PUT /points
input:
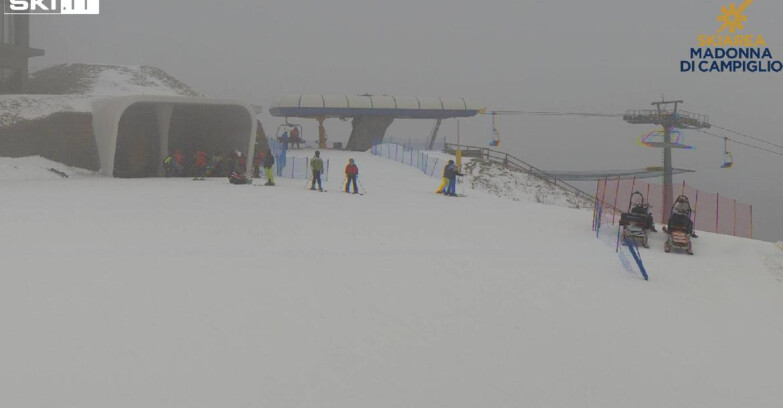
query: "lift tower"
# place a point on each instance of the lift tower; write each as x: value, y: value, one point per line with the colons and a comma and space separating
x: 669, y: 119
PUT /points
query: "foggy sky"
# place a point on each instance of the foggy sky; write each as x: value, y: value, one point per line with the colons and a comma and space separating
x: 599, y: 56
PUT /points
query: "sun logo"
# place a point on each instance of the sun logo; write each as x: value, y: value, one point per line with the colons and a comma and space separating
x: 732, y: 17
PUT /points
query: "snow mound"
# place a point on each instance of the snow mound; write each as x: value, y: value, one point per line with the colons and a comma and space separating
x: 779, y: 244
x: 73, y: 88
x: 38, y: 168
x: 16, y: 108
x: 107, y: 80
x: 517, y: 185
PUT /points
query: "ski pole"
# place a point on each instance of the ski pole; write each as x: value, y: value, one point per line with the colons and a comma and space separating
x: 360, y: 185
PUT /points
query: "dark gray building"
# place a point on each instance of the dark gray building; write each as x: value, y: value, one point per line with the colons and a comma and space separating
x: 14, y: 52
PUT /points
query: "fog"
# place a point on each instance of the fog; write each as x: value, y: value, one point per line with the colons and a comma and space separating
x: 598, y: 56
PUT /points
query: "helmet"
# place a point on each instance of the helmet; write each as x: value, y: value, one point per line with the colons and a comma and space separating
x: 317, y: 152
x: 351, y: 161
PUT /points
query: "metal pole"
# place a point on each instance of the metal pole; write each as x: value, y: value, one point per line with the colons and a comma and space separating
x: 717, y: 210
x: 616, y: 193
x: 734, y: 216
x: 668, y: 193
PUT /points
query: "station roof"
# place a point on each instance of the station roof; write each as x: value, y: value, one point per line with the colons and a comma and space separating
x: 311, y: 106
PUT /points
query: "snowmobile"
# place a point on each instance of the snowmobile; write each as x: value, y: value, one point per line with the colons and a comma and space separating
x: 637, y: 221
x: 680, y: 227
x: 237, y: 178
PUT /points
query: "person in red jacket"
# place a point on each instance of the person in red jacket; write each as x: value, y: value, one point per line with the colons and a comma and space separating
x: 200, y: 164
x: 178, y: 157
x: 294, y: 137
x: 258, y: 159
x: 351, y: 174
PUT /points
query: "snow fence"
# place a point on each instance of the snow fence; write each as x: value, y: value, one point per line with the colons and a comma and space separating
x: 711, y: 212
x: 428, y: 164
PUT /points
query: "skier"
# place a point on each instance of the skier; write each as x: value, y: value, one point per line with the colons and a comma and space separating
x: 199, y: 164
x: 284, y: 140
x: 168, y: 165
x: 258, y: 158
x: 269, y: 161
x: 295, y: 140
x: 351, y: 174
x: 317, y: 164
x: 451, y: 172
x: 178, y: 157
x: 215, y: 167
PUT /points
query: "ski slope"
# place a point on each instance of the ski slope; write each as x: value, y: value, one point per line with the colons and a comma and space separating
x: 176, y: 293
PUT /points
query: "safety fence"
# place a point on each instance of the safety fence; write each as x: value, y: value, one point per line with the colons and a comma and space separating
x: 293, y: 167
x: 711, y: 212
x: 427, y: 163
x: 411, y: 144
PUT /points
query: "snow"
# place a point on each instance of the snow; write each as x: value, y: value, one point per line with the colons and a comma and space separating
x: 37, y: 168
x: 171, y: 292
x: 129, y: 80
x: 15, y: 108
x: 101, y: 81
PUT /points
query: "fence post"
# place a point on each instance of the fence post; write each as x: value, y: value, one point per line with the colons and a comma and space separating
x: 396, y: 151
x: 717, y: 210
x: 293, y: 166
x: 616, y: 193
x: 595, y: 201
x: 751, y: 222
x: 327, y: 170
x: 734, y: 218
x: 434, y: 167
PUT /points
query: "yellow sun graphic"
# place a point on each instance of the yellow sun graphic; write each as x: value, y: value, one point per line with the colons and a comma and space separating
x: 732, y: 17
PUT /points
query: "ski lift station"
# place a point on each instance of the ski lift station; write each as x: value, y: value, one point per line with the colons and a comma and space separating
x: 372, y: 114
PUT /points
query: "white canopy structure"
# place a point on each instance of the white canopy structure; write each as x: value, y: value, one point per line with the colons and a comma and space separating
x: 134, y: 134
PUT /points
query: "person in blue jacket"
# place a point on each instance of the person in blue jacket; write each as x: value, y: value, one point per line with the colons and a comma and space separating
x: 451, y: 173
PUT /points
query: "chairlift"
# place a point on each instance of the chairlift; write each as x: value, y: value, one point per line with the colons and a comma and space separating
x: 495, y: 134
x: 728, y: 159
x: 289, y: 128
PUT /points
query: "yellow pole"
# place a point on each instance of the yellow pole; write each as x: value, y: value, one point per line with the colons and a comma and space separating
x: 321, y: 132
x: 459, y: 150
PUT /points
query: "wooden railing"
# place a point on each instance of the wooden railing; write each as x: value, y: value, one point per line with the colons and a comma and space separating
x: 514, y: 162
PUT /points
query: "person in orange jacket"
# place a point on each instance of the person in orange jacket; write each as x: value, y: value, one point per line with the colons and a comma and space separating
x: 200, y: 164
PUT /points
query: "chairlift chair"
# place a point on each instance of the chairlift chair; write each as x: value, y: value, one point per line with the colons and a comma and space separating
x: 728, y: 159
x: 288, y: 127
x: 495, y: 134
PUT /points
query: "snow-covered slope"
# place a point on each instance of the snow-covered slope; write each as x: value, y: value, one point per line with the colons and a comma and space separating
x: 38, y: 168
x: 517, y: 185
x: 73, y: 88
x: 170, y: 292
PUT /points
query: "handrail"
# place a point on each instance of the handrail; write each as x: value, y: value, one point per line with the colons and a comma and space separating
x: 515, y: 162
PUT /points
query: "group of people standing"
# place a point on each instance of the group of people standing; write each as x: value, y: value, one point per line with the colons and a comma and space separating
x: 235, y: 167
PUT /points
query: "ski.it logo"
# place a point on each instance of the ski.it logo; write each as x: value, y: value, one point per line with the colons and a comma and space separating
x: 51, y: 6
x: 728, y: 50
